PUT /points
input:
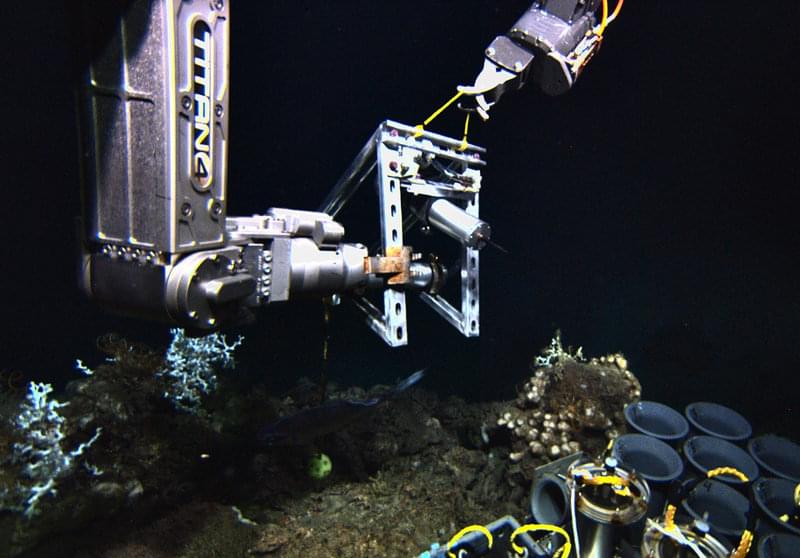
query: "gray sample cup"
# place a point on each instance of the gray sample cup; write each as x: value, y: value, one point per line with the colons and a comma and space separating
x: 776, y: 455
x: 726, y: 509
x: 705, y: 453
x: 657, y: 420
x: 654, y: 461
x: 719, y: 421
x: 778, y: 546
x: 775, y: 498
x: 550, y: 500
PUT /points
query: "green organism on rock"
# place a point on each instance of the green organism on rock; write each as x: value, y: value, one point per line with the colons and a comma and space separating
x: 319, y: 466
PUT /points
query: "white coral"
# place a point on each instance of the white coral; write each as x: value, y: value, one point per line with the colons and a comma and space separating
x: 555, y: 353
x: 190, y: 366
x: 41, y: 454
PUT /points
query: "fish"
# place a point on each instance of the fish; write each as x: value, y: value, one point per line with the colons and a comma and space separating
x: 304, y: 426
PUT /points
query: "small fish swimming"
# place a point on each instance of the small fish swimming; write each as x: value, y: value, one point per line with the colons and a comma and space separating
x: 308, y: 424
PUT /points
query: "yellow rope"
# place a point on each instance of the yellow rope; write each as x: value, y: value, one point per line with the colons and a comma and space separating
x: 669, y: 517
x: 421, y: 127
x: 464, y: 531
x: 562, y: 552
x: 612, y: 480
x: 464, y: 143
x: 744, y: 545
x: 728, y: 471
x: 616, y: 10
x: 604, y: 21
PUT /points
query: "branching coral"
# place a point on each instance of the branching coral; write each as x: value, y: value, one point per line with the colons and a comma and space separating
x: 190, y: 366
x: 41, y: 455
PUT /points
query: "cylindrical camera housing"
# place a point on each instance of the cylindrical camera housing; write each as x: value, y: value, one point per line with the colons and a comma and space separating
x: 458, y: 224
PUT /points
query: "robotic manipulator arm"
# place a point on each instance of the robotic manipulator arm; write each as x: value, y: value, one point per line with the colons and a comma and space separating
x: 549, y: 45
x: 157, y: 240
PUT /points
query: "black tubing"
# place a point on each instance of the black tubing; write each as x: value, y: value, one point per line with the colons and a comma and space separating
x: 776, y: 455
x: 717, y: 420
x: 657, y: 420
x: 705, y: 453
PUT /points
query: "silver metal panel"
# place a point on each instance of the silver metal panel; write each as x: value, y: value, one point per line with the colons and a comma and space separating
x: 470, y: 266
x: 138, y: 125
x: 388, y: 125
x: 111, y: 219
x: 201, y: 104
x: 394, y: 301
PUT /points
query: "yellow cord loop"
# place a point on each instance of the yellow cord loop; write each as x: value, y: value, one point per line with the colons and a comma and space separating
x: 797, y: 496
x: 421, y: 127
x: 728, y: 471
x: 669, y: 517
x: 562, y: 552
x: 745, y: 542
x: 618, y: 484
x: 606, y: 19
x: 616, y: 10
x: 470, y: 529
x: 744, y: 545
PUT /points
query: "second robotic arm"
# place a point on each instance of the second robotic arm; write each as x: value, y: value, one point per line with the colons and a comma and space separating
x: 549, y: 45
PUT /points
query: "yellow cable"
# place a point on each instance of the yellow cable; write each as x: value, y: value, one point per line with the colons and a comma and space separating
x: 464, y: 531
x: 421, y: 127
x: 604, y: 479
x: 610, y: 480
x: 464, y: 143
x: 669, y: 517
x: 744, y: 545
x: 563, y: 552
x: 604, y: 21
x: 728, y: 471
x: 614, y: 15
x: 797, y: 496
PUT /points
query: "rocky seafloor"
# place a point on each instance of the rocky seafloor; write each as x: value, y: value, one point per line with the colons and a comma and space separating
x: 161, y: 482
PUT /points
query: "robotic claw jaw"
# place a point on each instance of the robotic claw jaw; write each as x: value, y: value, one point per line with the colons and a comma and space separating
x: 550, y: 44
x: 492, y: 81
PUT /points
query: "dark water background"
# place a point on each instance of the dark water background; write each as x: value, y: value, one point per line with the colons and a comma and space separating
x: 652, y: 210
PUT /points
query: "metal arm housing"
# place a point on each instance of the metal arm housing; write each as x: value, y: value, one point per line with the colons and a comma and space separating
x: 157, y: 240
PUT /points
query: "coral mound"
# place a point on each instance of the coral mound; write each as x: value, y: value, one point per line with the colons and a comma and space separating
x: 568, y: 405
